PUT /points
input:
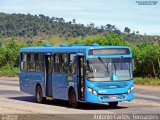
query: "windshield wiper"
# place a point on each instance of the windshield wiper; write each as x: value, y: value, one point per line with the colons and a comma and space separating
x: 114, y: 62
x: 101, y: 60
x: 115, y: 67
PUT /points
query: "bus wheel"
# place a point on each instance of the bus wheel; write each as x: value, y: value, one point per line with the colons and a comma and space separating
x: 72, y: 99
x: 39, y: 96
x: 113, y: 104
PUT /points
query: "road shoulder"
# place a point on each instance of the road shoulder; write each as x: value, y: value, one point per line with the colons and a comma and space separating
x: 148, y: 87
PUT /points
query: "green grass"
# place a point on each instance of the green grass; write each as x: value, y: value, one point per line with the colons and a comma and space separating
x: 9, y: 71
x: 147, y: 81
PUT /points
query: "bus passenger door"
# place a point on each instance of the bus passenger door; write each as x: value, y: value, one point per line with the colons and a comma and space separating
x: 81, y: 80
x: 48, y: 74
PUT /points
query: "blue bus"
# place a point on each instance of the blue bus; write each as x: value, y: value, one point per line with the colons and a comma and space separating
x: 77, y: 73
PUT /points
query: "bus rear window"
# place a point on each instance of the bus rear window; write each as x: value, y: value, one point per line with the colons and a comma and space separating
x: 109, y: 51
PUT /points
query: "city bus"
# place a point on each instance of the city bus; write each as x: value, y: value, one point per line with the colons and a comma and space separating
x: 77, y: 73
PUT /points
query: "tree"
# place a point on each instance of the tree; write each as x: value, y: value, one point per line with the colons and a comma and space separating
x: 127, y: 30
x: 137, y: 32
x: 110, y: 27
x: 9, y: 54
x: 111, y: 39
x: 61, y: 20
x: 0, y: 44
x: 74, y: 21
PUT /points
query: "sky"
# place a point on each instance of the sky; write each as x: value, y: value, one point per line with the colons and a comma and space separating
x: 121, y: 13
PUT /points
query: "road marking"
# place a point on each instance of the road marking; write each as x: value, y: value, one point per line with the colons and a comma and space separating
x: 147, y: 96
x: 5, y: 87
x: 145, y: 103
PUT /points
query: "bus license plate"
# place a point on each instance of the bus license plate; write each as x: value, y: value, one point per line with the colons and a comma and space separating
x: 113, y: 97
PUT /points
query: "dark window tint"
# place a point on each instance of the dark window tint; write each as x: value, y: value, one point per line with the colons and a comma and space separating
x: 30, y: 57
x: 65, y: 62
x: 31, y: 66
x: 50, y: 64
x: 39, y: 57
x: 57, y: 65
x: 72, y: 64
x: 23, y: 56
x: 39, y: 66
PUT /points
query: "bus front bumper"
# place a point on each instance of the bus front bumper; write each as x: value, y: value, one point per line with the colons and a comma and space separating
x: 109, y: 97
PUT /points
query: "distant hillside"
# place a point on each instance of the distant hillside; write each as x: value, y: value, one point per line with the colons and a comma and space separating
x: 31, y: 26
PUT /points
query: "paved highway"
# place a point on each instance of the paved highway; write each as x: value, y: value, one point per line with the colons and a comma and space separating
x: 13, y: 101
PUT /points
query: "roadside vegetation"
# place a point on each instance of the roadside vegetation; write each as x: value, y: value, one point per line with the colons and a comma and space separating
x: 9, y: 71
x: 147, y: 81
x: 146, y: 57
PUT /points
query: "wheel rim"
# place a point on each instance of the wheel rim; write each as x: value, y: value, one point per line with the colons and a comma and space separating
x: 73, y: 100
x: 39, y: 96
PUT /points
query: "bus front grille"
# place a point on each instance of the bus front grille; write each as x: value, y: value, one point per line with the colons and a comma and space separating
x: 107, y: 97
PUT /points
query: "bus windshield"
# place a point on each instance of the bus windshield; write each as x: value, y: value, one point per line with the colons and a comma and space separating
x: 103, y: 69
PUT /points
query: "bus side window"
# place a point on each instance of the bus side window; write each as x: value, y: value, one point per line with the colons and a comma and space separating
x: 50, y: 64
x: 64, y: 63
x: 56, y: 65
x: 31, y: 62
x: 24, y: 57
x: 82, y: 63
x: 39, y: 61
x: 31, y: 66
x: 24, y: 61
x: 72, y: 64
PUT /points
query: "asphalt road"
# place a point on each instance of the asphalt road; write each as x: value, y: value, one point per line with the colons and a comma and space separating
x: 22, y: 105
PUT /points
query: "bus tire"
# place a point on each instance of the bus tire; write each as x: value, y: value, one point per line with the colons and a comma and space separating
x: 39, y: 95
x: 113, y: 104
x: 72, y: 99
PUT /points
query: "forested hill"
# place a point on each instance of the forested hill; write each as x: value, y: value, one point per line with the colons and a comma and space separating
x: 28, y: 26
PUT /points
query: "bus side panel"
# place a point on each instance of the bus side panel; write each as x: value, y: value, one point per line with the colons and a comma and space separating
x: 66, y: 84
x: 75, y: 80
x: 23, y: 82
x: 55, y: 87
x: 61, y: 85
x: 49, y: 85
x: 34, y: 79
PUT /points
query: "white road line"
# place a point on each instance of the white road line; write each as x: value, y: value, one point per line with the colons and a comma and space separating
x: 147, y: 96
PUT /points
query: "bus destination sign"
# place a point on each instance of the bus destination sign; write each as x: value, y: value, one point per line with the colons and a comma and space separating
x: 109, y: 51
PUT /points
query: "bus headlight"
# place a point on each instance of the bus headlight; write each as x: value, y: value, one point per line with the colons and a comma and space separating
x: 95, y: 92
x: 130, y: 90
x: 92, y: 91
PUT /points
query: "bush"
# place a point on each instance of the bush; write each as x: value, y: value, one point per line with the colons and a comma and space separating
x: 147, y: 81
x: 147, y: 60
x: 9, y: 54
x: 112, y: 39
x: 9, y: 71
